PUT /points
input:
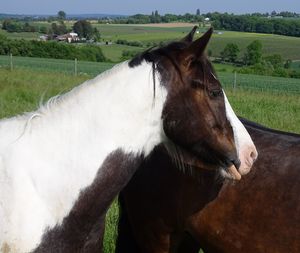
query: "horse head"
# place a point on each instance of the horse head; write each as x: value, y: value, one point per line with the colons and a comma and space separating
x: 197, y: 116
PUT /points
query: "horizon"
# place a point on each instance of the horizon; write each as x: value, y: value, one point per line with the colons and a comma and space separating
x: 128, y: 7
x: 122, y: 14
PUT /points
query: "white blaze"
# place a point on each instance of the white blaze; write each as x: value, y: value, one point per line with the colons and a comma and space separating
x: 245, y: 147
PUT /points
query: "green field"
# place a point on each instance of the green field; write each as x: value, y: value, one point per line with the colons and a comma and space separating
x: 243, y: 81
x: 286, y: 46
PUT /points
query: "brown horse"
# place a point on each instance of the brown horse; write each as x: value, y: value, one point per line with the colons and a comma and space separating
x: 165, y: 210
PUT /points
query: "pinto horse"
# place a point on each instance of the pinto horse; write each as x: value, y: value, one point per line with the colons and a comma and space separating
x: 166, y: 210
x: 62, y: 165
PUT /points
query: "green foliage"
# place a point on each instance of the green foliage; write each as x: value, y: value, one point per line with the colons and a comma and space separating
x: 84, y: 29
x: 275, y: 59
x: 50, y: 49
x: 230, y: 52
x: 253, y: 54
x: 61, y: 15
x: 130, y: 43
x: 57, y: 29
x: 128, y: 54
x: 17, y: 26
x: 254, y: 23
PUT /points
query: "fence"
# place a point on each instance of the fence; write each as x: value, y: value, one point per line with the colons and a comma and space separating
x: 56, y: 65
x: 229, y: 80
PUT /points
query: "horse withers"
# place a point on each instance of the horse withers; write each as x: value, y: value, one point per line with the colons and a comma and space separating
x: 62, y: 165
x: 165, y: 210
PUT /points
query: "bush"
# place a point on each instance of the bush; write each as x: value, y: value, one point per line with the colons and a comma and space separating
x: 50, y: 49
x: 130, y: 43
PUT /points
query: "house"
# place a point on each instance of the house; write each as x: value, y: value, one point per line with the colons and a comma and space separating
x: 44, y: 37
x: 69, y: 37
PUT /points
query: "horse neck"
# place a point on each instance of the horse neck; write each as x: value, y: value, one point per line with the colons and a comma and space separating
x: 114, y: 110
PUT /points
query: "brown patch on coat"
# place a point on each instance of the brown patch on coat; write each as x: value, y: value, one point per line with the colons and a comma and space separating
x: 82, y: 230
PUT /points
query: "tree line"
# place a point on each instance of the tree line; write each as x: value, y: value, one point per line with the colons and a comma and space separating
x: 50, y: 49
x: 254, y: 62
x: 249, y: 23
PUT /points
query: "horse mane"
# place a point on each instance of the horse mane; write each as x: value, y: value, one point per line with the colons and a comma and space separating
x: 249, y: 123
x: 45, y: 108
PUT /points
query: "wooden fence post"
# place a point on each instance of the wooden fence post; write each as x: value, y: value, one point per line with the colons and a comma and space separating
x: 11, y: 62
x: 75, y: 67
x: 234, y: 81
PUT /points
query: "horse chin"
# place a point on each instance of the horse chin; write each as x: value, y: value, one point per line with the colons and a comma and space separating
x: 231, y: 173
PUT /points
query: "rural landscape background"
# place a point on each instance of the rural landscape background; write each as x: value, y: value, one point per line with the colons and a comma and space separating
x: 256, y: 56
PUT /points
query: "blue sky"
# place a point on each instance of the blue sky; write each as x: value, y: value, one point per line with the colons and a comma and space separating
x: 142, y: 6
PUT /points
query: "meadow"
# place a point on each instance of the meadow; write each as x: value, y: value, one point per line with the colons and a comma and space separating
x: 225, y: 72
x: 287, y: 46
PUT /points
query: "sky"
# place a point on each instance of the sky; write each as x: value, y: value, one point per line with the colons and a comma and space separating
x: 129, y: 7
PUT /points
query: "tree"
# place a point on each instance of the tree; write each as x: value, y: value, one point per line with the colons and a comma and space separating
x: 198, y: 12
x: 84, y: 29
x: 275, y: 59
x: 230, y: 52
x: 61, y: 15
x: 253, y: 54
x: 97, y: 35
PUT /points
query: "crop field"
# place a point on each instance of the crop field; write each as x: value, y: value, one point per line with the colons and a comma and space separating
x: 288, y: 47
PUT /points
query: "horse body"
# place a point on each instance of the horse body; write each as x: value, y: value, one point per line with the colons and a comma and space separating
x: 166, y: 210
x: 33, y: 158
x: 261, y: 214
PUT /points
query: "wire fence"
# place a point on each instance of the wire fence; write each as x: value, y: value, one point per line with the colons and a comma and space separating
x: 229, y: 80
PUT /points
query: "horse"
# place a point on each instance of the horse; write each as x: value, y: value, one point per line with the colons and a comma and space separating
x: 62, y: 165
x: 163, y: 209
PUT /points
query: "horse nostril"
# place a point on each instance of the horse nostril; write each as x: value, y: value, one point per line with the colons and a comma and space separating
x: 253, y: 155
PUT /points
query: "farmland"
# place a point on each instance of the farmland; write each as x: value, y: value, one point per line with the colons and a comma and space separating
x: 288, y: 47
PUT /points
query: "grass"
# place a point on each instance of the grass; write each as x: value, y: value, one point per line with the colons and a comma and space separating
x: 253, y: 82
x: 21, y: 90
x: 288, y: 47
x: 22, y: 35
x: 114, y: 51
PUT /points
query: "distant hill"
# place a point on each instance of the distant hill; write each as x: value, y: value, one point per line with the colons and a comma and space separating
x: 69, y: 16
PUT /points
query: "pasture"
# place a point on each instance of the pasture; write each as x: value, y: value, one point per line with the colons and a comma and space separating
x: 288, y: 47
x: 23, y: 89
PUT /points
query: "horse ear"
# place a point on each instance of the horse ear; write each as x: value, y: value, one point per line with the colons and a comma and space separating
x: 196, y: 49
x: 189, y: 38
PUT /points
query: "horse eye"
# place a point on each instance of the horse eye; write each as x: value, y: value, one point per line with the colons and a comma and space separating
x: 215, y: 93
